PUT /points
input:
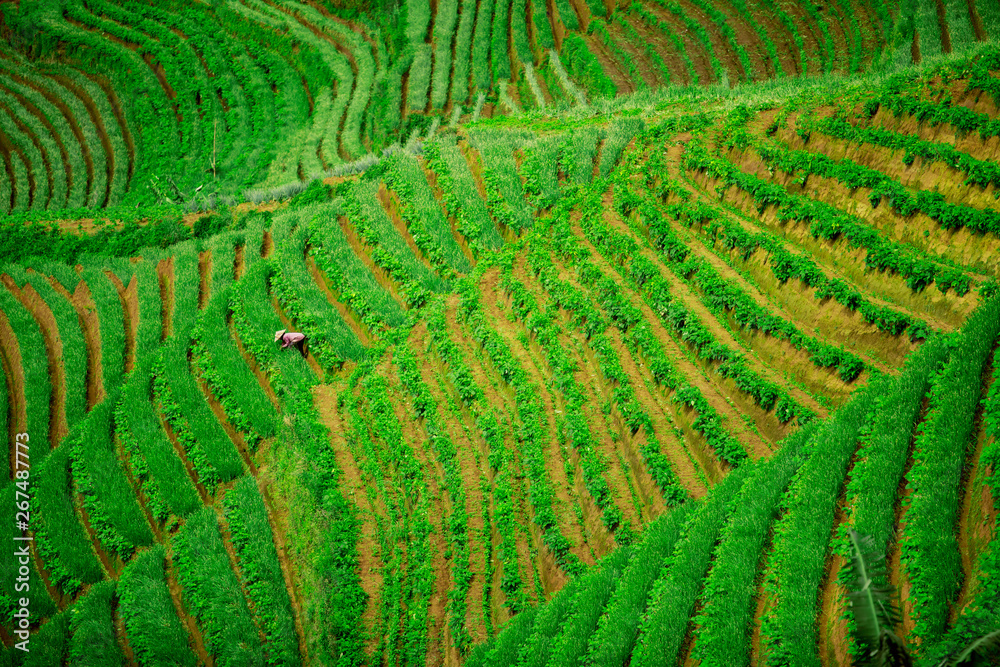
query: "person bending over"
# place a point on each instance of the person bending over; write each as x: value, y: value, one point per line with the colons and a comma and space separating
x: 290, y: 339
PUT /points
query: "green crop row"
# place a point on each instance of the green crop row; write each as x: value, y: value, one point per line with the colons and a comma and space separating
x: 584, y: 66
x: 589, y: 321
x: 978, y: 172
x: 649, y: 47
x: 531, y: 415
x: 219, y: 363
x: 576, y: 157
x: 622, y: 250
x: 60, y: 539
x: 540, y: 170
x: 348, y: 275
x: 49, y: 646
x: 765, y: 38
x: 505, y: 198
x: 930, y: 551
x: 213, y: 594
x: 186, y: 288
x: 155, y: 633
x: 388, y: 249
x: 802, y: 535
x: 544, y: 39
x: 481, y: 76
x: 110, y: 501
x: 330, y: 339
x: 597, y: 588
x: 827, y: 223
x: 700, y: 33
x: 386, y: 428
x: 616, y: 138
x: 34, y: 367
x: 786, y: 265
x: 423, y: 217
x: 980, y: 616
x: 444, y: 33
x: 618, y: 627
x: 661, y: 27
x: 463, y: 53
x: 261, y: 571
x: 458, y: 523
x: 198, y: 432
x: 499, y: 52
x: 32, y: 185
x: 881, y: 458
x: 150, y: 329
x: 543, y: 325
x: 600, y: 28
x: 460, y: 198
x: 675, y: 590
x: 934, y: 113
x: 727, y: 599
x: 15, y: 498
x: 92, y: 640
x: 905, y: 203
x: 156, y: 467
x: 720, y: 294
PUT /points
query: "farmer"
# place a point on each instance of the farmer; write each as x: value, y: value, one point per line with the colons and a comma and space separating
x: 290, y: 338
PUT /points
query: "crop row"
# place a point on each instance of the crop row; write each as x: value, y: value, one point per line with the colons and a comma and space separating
x: 261, y: 571
x: 630, y: 321
x: 930, y: 550
x: 460, y: 198
x: 721, y: 294
x: 675, y: 592
x: 852, y: 175
x: 547, y: 332
x: 213, y: 593
x: 727, y: 599
x: 458, y: 523
x: 802, y: 535
x: 37, y: 387
x: 155, y: 465
x: 828, y: 223
x: 590, y: 322
x: 625, y: 252
x: 531, y: 415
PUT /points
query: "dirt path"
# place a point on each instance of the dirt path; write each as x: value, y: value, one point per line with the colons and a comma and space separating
x: 11, y: 359
x: 187, y: 620
x: 120, y: 633
x: 34, y: 304
x: 206, y: 497
x: 86, y: 311
x: 350, y: 317
x: 234, y: 564
x: 364, y: 252
x: 111, y: 563
x: 130, y: 312
x: 390, y: 202
x: 262, y: 380
x: 220, y: 415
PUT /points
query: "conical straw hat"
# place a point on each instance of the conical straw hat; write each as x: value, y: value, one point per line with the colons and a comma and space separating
x: 279, y: 334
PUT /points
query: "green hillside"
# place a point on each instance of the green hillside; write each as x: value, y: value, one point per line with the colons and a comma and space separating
x: 619, y: 318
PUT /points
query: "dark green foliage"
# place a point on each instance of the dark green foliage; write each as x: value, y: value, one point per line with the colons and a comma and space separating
x: 583, y: 65
x: 155, y: 633
x: 92, y: 633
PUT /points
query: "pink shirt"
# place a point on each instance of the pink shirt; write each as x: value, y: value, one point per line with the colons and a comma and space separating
x: 291, y: 338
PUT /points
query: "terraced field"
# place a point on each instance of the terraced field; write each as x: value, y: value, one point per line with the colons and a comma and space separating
x: 587, y: 381
x: 124, y: 103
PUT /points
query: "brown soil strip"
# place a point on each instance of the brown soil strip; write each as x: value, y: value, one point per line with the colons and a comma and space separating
x: 165, y: 272
x: 943, y: 23
x: 238, y: 263
x: 220, y: 414
x: 187, y: 620
x: 723, y: 49
x: 117, y: 110
x: 204, y: 277
x: 56, y: 595
x: 692, y: 47
x: 102, y: 135
x: 977, y: 22
x: 351, y: 318
x: 265, y: 384
x: 268, y: 246
x: 364, y: 252
x: 123, y: 455
x: 130, y: 309
x: 192, y: 473
x: 11, y: 359
x: 354, y: 487
x: 120, y: 634
x: 611, y: 66
x: 278, y: 523
x: 390, y: 202
x: 30, y: 299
